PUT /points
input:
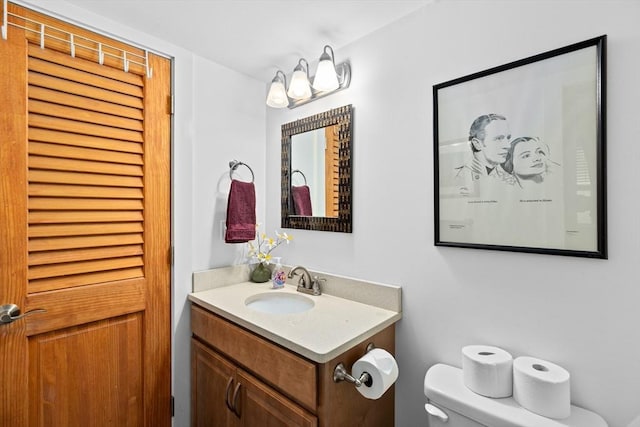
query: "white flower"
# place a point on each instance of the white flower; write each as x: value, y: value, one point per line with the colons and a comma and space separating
x: 264, y: 244
x: 284, y: 236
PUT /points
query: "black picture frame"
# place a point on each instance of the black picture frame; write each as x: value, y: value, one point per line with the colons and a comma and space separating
x: 519, y: 155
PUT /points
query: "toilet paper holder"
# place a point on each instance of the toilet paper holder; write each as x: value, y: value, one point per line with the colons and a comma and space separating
x: 340, y: 373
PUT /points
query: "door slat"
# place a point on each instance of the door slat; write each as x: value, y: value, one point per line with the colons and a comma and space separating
x: 57, y: 243
x: 84, y: 229
x: 85, y: 141
x: 61, y: 217
x: 62, y: 98
x: 70, y: 152
x: 75, y: 75
x: 36, y: 175
x: 71, y: 268
x: 62, y: 85
x: 52, y: 190
x: 67, y: 125
x: 83, y: 115
x: 78, y: 204
x: 72, y: 255
x: 52, y: 163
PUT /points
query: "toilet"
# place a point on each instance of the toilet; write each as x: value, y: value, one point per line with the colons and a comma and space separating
x: 452, y: 404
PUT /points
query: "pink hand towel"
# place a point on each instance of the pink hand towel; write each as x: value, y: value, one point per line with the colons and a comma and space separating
x: 241, y: 212
x: 301, y: 200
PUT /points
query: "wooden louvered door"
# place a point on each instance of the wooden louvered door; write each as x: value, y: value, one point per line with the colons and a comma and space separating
x: 85, y: 234
x: 331, y: 170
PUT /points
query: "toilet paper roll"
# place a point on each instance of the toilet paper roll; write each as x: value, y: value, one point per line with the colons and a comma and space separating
x: 487, y: 370
x: 542, y: 387
x: 381, y: 367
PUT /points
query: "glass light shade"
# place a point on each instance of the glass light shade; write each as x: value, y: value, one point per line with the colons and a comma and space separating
x: 277, y: 97
x: 326, y: 78
x: 299, y: 87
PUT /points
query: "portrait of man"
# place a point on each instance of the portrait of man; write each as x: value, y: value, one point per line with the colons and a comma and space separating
x: 489, y: 140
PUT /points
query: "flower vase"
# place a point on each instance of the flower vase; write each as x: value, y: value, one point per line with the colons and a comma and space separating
x: 261, y: 273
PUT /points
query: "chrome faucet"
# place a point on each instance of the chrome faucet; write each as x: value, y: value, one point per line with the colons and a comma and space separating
x: 306, y: 284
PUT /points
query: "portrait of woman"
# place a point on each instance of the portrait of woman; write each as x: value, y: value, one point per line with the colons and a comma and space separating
x: 528, y: 161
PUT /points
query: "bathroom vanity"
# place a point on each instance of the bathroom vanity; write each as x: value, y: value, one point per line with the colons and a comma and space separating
x: 249, y: 366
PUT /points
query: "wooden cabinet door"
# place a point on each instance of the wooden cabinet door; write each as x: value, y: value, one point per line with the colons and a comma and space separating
x: 212, y: 386
x: 260, y: 405
x: 84, y: 229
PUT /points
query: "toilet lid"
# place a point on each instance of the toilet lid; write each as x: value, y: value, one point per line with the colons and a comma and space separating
x: 444, y: 386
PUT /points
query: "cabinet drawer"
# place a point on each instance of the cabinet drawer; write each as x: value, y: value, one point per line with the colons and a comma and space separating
x: 294, y: 376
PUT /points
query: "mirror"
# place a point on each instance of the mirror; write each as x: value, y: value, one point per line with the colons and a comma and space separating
x: 316, y: 172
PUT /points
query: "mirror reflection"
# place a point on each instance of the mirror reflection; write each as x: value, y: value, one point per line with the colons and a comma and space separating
x: 316, y: 172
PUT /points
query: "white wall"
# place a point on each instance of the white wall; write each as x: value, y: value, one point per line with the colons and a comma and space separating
x: 228, y: 123
x: 582, y: 314
x: 219, y: 116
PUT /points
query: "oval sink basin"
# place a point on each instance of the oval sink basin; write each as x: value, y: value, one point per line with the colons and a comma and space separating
x: 277, y: 303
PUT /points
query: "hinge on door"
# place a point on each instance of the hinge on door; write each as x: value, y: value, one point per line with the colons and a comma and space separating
x: 172, y: 255
x: 170, y: 104
x: 173, y: 406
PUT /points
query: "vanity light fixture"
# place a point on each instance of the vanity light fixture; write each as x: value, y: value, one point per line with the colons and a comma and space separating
x: 326, y: 78
x: 277, y: 97
x: 300, y: 88
x: 329, y: 78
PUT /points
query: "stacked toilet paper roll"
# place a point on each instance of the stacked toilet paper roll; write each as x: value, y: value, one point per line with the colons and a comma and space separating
x: 542, y: 387
x: 487, y: 370
x: 381, y: 367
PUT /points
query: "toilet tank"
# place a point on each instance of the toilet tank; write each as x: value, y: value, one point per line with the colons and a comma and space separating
x: 445, y: 390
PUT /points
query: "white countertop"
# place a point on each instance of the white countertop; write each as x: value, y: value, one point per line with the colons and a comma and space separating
x: 331, y: 327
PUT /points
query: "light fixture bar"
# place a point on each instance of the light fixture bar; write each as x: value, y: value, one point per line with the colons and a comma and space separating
x: 344, y: 79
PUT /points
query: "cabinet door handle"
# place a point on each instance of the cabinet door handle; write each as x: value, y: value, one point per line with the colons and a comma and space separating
x: 236, y: 410
x: 226, y: 394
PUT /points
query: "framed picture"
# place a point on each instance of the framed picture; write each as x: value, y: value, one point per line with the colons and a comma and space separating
x: 519, y: 153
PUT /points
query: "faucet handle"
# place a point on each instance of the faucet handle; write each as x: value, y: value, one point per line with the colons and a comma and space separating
x: 316, y: 284
x: 302, y: 281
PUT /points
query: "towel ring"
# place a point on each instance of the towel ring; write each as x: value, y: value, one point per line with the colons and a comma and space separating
x: 233, y: 165
x: 300, y: 172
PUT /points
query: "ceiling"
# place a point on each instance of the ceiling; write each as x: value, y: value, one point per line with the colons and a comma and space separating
x: 254, y: 37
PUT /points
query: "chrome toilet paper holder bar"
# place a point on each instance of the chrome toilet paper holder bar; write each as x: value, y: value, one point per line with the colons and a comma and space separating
x: 340, y: 373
